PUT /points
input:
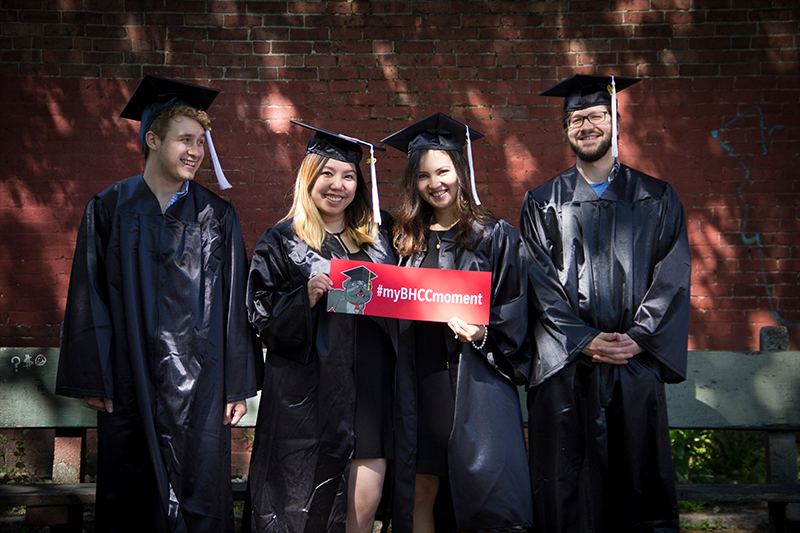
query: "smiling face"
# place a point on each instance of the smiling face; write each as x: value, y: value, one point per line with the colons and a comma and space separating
x: 437, y: 181
x: 334, y: 190
x: 177, y: 156
x: 591, y: 142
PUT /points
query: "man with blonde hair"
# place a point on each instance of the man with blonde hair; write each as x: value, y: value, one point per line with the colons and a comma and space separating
x: 156, y: 337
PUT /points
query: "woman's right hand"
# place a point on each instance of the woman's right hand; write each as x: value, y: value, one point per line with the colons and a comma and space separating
x: 318, y: 286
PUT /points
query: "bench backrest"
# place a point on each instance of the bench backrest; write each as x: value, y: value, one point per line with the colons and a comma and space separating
x: 748, y: 390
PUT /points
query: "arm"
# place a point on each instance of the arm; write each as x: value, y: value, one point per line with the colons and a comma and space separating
x: 279, y: 307
x: 84, y: 366
x: 506, y: 334
x: 661, y: 323
x: 243, y: 355
x: 558, y: 333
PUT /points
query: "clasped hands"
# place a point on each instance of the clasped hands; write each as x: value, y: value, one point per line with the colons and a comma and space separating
x: 612, y: 348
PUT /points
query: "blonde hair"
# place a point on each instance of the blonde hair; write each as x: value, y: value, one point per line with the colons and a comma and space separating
x: 308, y: 224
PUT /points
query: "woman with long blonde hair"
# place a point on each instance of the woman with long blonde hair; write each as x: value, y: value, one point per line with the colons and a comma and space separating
x: 324, y: 429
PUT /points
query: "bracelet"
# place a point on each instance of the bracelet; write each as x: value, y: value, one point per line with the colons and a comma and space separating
x: 483, y: 342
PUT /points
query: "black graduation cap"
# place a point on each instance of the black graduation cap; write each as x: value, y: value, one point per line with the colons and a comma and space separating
x: 156, y: 94
x: 360, y: 273
x: 582, y: 90
x: 436, y: 132
x: 335, y: 145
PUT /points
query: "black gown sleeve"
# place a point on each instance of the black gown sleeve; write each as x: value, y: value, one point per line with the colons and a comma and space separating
x: 279, y: 309
x: 244, y: 364
x: 84, y: 365
x: 508, y: 342
x: 661, y: 323
x: 559, y: 334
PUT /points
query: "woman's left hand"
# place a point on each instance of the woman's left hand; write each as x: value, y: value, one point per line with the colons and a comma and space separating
x: 466, y: 332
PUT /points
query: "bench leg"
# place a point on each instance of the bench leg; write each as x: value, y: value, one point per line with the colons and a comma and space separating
x: 781, y: 457
x: 60, y: 518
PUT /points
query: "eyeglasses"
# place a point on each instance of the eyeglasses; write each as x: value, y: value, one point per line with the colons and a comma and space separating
x: 594, y: 118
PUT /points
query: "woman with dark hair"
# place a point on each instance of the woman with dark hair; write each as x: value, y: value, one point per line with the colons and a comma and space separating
x: 324, y: 429
x: 458, y: 423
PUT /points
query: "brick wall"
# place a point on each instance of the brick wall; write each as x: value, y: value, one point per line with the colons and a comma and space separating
x: 717, y: 116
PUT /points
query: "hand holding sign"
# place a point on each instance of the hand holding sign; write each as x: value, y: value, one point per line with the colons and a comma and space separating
x: 317, y: 287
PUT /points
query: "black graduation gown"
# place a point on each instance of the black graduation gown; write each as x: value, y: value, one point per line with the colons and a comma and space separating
x: 619, y: 263
x: 305, y: 430
x: 487, y: 462
x: 156, y: 321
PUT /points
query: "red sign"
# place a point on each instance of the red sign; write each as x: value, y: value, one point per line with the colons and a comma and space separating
x: 412, y: 293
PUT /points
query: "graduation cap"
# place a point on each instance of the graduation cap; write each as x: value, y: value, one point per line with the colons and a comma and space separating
x: 582, y: 91
x: 437, y: 132
x: 347, y: 149
x: 155, y: 95
x: 360, y: 273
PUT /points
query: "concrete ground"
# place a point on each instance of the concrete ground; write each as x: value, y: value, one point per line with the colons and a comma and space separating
x: 728, y: 519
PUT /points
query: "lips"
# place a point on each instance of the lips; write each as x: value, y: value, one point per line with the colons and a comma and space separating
x: 188, y: 163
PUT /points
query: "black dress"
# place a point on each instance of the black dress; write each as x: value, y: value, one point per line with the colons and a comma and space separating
x: 374, y: 369
x: 436, y: 396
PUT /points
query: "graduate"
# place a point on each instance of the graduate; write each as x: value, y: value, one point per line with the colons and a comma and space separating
x: 459, y: 425
x: 324, y: 430
x: 609, y: 272
x: 156, y: 337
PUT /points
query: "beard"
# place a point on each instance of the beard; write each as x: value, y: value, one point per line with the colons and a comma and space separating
x: 590, y: 156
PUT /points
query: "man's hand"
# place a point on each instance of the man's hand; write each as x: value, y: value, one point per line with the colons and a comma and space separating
x: 612, y: 348
x: 99, y: 404
x: 317, y: 287
x: 234, y: 412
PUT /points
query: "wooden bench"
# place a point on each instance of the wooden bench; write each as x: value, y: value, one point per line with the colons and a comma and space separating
x: 753, y: 391
x: 27, y: 400
x: 724, y: 390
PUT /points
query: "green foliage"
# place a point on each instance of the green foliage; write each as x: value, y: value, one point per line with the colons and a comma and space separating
x: 704, y: 526
x: 15, y: 471
x: 708, y: 456
x: 690, y: 449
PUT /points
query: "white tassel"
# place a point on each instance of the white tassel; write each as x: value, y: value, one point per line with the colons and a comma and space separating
x: 614, y: 144
x: 472, y: 169
x: 223, y: 183
x: 376, y: 205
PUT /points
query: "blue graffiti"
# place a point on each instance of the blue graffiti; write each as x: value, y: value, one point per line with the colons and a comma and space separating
x: 756, y: 238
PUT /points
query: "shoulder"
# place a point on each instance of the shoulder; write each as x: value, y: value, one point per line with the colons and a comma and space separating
x: 644, y: 185
x: 497, y: 231
x: 555, y: 187
x: 204, y: 196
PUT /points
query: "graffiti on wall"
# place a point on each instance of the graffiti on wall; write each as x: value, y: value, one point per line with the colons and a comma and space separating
x: 749, y: 234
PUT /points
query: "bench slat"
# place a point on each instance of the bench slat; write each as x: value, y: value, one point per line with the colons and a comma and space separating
x: 739, y: 493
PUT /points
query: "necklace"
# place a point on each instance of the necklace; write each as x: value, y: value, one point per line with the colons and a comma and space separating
x: 336, y: 234
x: 439, y: 245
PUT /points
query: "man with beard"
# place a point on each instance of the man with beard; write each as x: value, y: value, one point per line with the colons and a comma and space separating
x: 609, y: 272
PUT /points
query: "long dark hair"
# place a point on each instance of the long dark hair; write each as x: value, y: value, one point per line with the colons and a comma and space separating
x: 412, y: 224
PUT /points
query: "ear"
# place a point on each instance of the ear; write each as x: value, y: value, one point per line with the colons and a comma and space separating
x: 152, y: 140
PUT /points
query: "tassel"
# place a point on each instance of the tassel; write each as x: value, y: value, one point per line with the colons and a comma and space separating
x: 614, y: 144
x: 472, y: 169
x: 376, y: 205
x: 223, y: 183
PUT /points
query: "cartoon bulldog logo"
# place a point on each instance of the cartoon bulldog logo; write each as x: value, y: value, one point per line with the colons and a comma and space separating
x: 356, y: 293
